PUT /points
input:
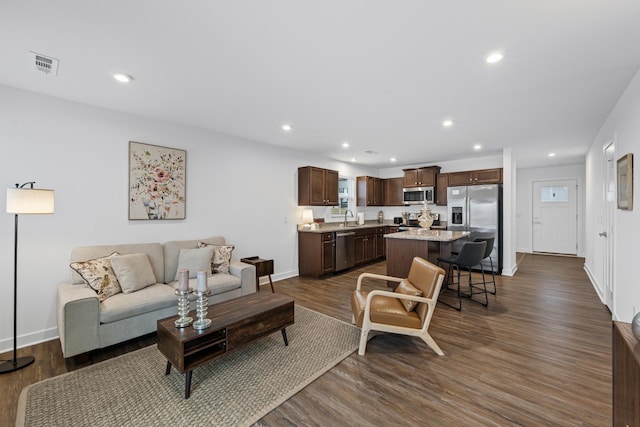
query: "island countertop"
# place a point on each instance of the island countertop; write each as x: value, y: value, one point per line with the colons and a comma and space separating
x: 430, y: 235
x: 402, y: 247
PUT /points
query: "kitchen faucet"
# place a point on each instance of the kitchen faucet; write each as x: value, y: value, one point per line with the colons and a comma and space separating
x: 348, y: 211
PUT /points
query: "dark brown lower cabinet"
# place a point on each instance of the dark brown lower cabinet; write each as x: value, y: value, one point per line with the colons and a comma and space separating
x: 626, y: 376
x: 316, y: 254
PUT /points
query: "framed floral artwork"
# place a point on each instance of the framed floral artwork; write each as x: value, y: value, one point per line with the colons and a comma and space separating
x: 624, y: 175
x: 157, y: 182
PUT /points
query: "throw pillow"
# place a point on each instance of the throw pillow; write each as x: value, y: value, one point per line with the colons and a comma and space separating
x: 134, y: 272
x: 99, y: 275
x: 407, y: 288
x: 221, y: 257
x: 194, y: 260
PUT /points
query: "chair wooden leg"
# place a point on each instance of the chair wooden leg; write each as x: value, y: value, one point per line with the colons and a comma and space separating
x: 431, y: 343
x: 363, y: 341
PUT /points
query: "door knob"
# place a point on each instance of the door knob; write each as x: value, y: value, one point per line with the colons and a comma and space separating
x: 603, y: 234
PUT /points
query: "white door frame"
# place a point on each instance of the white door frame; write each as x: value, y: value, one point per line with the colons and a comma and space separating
x: 609, y: 199
x: 575, y: 181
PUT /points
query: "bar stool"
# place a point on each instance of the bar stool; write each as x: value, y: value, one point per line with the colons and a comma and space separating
x: 487, y: 254
x: 470, y: 255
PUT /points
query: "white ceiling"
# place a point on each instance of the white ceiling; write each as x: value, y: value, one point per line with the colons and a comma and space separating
x: 382, y: 75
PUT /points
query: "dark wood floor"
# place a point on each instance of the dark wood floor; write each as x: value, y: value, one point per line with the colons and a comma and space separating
x: 540, y: 354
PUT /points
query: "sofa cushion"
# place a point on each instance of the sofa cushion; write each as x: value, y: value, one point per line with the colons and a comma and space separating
x: 217, y: 283
x: 194, y: 260
x: 172, y: 250
x: 406, y: 288
x: 151, y: 298
x: 99, y: 275
x: 133, y: 271
x: 221, y: 257
x: 153, y: 250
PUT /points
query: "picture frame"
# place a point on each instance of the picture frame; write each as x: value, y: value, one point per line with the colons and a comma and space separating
x: 157, y: 182
x: 624, y: 179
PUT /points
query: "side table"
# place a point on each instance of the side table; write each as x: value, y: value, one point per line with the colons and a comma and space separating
x: 264, y: 267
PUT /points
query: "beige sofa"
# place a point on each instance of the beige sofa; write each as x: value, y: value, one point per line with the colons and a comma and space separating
x: 85, y: 323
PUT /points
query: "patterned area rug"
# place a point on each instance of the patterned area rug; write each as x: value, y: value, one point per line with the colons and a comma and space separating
x: 238, y: 388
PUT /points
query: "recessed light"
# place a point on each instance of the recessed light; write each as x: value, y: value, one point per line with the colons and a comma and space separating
x: 393, y: 159
x: 477, y: 147
x: 447, y: 123
x: 287, y: 127
x: 122, y: 78
x: 353, y: 160
x: 494, y: 57
x: 345, y: 145
x: 551, y: 154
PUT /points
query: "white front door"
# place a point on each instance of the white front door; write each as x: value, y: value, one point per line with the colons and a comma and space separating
x: 555, y: 217
x: 607, y: 228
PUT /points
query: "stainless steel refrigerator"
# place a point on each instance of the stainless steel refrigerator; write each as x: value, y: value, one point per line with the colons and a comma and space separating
x: 477, y: 209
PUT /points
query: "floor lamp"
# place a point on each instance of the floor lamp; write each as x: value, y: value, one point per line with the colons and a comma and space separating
x: 23, y: 201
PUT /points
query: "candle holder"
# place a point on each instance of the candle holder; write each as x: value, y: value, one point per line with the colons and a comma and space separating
x: 202, y: 303
x: 183, y: 309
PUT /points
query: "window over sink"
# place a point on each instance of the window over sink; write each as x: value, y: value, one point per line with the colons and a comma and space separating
x: 346, y: 197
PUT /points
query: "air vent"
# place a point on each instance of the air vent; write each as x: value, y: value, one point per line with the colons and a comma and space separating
x: 371, y: 152
x: 44, y: 63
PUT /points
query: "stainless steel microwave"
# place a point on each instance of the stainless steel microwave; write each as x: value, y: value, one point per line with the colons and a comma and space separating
x: 417, y: 195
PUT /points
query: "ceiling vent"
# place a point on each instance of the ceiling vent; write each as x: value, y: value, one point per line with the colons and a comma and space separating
x: 43, y: 63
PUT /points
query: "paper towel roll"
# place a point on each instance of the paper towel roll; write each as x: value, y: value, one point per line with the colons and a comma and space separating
x: 360, y: 218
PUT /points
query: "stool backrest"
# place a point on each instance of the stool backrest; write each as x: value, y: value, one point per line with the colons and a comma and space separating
x: 471, y: 254
x: 489, y: 248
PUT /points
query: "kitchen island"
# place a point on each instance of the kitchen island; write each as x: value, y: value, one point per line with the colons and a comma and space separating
x: 402, y: 247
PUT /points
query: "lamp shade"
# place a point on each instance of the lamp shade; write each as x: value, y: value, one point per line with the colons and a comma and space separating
x: 29, y: 201
x: 307, y: 216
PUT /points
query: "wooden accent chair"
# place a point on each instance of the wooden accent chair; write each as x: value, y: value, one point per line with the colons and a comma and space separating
x: 407, y: 310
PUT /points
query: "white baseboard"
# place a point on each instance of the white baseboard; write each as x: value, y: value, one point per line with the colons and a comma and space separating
x: 510, y: 271
x: 594, y: 283
x: 29, y: 339
x: 279, y: 276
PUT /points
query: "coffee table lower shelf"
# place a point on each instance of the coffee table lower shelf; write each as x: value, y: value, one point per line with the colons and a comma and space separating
x: 234, y: 322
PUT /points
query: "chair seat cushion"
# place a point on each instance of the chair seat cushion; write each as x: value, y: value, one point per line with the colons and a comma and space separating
x: 384, y: 310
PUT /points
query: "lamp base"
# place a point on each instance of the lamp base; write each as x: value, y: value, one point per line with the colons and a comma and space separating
x: 21, y: 362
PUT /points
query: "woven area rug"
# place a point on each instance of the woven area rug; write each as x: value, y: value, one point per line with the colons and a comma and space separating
x: 236, y: 389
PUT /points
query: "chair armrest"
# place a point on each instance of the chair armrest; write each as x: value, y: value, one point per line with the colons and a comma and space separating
x: 78, y: 318
x: 246, y: 273
x: 375, y: 276
x: 397, y: 296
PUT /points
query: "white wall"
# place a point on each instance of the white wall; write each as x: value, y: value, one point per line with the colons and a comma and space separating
x: 524, y: 205
x: 623, y: 127
x: 240, y: 189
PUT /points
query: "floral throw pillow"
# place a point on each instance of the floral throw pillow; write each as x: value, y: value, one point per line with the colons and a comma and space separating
x: 221, y: 257
x: 99, y: 274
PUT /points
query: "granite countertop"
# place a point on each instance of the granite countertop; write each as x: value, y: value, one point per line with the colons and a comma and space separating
x: 432, y: 235
x: 330, y: 227
x: 337, y: 226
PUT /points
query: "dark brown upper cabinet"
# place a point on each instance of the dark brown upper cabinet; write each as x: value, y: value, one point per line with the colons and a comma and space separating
x: 482, y: 176
x: 369, y: 191
x: 420, y: 177
x: 392, y: 191
x: 317, y: 186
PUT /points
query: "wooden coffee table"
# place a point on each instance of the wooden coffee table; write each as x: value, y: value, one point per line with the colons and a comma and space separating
x: 233, y: 323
